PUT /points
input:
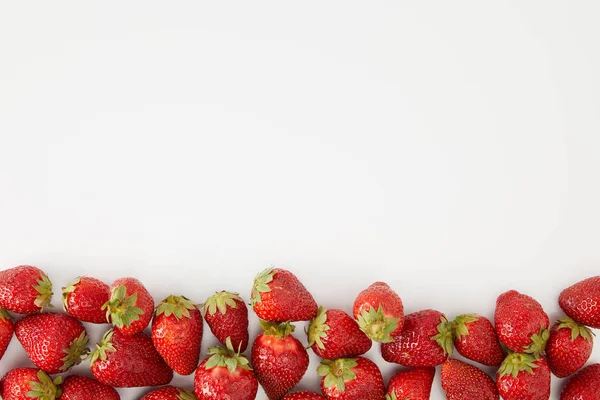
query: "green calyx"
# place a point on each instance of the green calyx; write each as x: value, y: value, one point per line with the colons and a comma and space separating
x: 376, y: 325
x: 317, y: 329
x: 517, y: 362
x: 337, y: 372
x: 444, y: 337
x: 186, y: 395
x: 459, y: 325
x: 220, y: 301
x: 391, y: 396
x: 103, y: 348
x: 228, y: 358
x: 70, y: 288
x: 261, y: 285
x: 538, y: 343
x: 280, y: 330
x: 46, y: 388
x: 76, y: 352
x: 179, y: 306
x: 122, y: 311
x: 4, y: 315
x: 576, y: 329
x: 44, y: 288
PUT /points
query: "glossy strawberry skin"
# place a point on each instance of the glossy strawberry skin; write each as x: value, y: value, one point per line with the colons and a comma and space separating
x: 303, y: 396
x: 219, y: 383
x: 7, y: 329
x: 584, y: 385
x: 481, y: 344
x: 526, y: 386
x: 567, y: 355
x: 17, y: 289
x: 144, y: 301
x: 164, y: 393
x: 76, y: 387
x: 84, y: 300
x: 413, y: 384
x: 343, y: 338
x: 582, y: 302
x: 380, y: 294
x: 368, y: 384
x: 462, y: 381
x: 16, y: 383
x: 233, y: 324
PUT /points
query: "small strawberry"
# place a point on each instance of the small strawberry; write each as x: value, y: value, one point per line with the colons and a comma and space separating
x: 581, y: 302
x: 54, y: 342
x: 303, y: 396
x: 278, y: 358
x: 6, y: 331
x: 569, y: 347
x: 25, y: 289
x: 584, y: 385
x: 426, y: 341
x: 523, y: 377
x: 130, y: 306
x: 29, y: 383
x: 84, y: 297
x: 77, y: 387
x: 462, y: 381
x: 227, y: 316
x: 475, y: 338
x: 279, y: 296
x: 169, y: 393
x: 177, y: 333
x: 351, y: 379
x: 379, y: 312
x: 413, y: 384
x: 334, y: 334
x: 122, y: 360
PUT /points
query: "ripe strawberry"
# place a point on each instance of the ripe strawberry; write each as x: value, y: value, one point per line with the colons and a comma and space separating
x: 582, y: 302
x: 584, y: 385
x: 84, y: 297
x: 279, y: 296
x: 521, y: 323
x: 523, y: 377
x: 29, y: 383
x: 303, y: 396
x: 122, y: 360
x: 413, y: 384
x: 334, y: 334
x: 351, y: 379
x: 6, y: 331
x: 475, y: 338
x: 379, y: 312
x: 177, y: 333
x: 169, y: 393
x: 462, y: 381
x: 278, y: 358
x: 54, y: 342
x: 569, y: 347
x: 24, y: 289
x: 130, y: 306
x: 77, y: 387
x: 227, y: 316
x: 426, y: 341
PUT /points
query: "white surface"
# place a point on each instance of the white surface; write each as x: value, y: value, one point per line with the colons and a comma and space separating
x: 451, y: 150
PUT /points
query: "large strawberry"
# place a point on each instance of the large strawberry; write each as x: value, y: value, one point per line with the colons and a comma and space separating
x: 379, y: 312
x: 227, y: 316
x: 84, y: 297
x: 54, y: 342
x: 584, y: 385
x: 122, y: 360
x: 303, y: 396
x: 169, y: 393
x: 279, y: 359
x: 130, y: 306
x: 24, y: 289
x: 279, y: 296
x: 426, y: 341
x: 475, y: 338
x: 413, y: 384
x: 582, y: 302
x: 569, y: 347
x: 334, y: 334
x: 462, y: 381
x: 6, y: 331
x: 28, y: 384
x: 76, y: 387
x: 523, y: 377
x: 177, y: 333
x: 351, y: 379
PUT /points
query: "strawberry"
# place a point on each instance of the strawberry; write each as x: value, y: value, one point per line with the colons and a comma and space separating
x: 303, y: 396
x: 475, y: 338
x: 426, y: 341
x: 334, y: 334
x: 351, y: 379
x: 569, y: 347
x: 521, y: 323
x: 379, y: 312
x: 84, y: 297
x: 24, y: 289
x: 29, y: 383
x: 122, y: 360
x: 130, y: 306
x: 462, y: 381
x: 227, y: 316
x: 169, y: 393
x: 584, y: 385
x: 581, y: 302
x: 77, y: 387
x: 54, y: 342
x: 413, y: 384
x: 523, y: 377
x: 278, y: 358
x: 177, y: 333
x: 6, y: 331
x: 279, y: 296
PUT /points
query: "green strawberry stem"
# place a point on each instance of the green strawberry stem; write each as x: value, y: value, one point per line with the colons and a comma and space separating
x: 337, y: 372
x: 517, y: 362
x: 226, y: 358
x: 538, y: 344
x: 4, y: 315
x: 186, y: 395
x: 44, y: 288
x: 105, y: 346
x: 459, y: 325
x: 220, y: 301
x: 46, y: 388
x: 261, y: 285
x: 444, y: 337
x: 377, y: 326
x: 122, y: 311
x: 179, y: 306
x: 76, y: 352
x: 70, y: 288
x: 318, y: 329
x: 276, y: 329
x: 577, y: 329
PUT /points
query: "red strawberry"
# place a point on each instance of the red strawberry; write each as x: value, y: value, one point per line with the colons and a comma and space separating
x: 24, y: 289
x: 523, y: 377
x: 278, y: 358
x: 29, y: 383
x: 84, y: 297
x: 78, y: 387
x: 227, y: 316
x: 6, y: 331
x: 130, y: 307
x: 169, y: 393
x: 279, y: 296
x: 584, y: 385
x: 582, y: 302
x: 351, y: 379
x: 521, y: 323
x: 569, y: 347
x: 122, y: 360
x: 462, y: 381
x: 413, y: 384
x: 334, y: 334
x: 379, y: 312
x: 475, y: 338
x: 54, y: 342
x: 177, y: 333
x: 426, y: 341
x: 303, y: 396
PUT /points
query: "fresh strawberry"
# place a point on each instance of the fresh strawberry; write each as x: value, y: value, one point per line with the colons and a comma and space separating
x: 584, y: 385
x: 227, y: 316
x: 521, y: 323
x: 569, y: 347
x: 279, y: 296
x: 84, y: 297
x: 177, y: 333
x: 351, y: 379
x: 303, y: 396
x: 28, y: 384
x: 24, y: 289
x: 334, y: 334
x: 278, y: 358
x: 122, y: 360
x: 523, y: 377
x: 130, y: 307
x: 54, y: 342
x: 475, y: 338
x: 582, y: 302
x: 379, y: 312
x: 77, y: 387
x: 426, y: 341
x: 462, y: 381
x: 6, y: 331
x: 169, y: 393
x: 413, y: 384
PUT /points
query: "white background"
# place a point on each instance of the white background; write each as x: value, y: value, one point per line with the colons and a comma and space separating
x: 448, y: 149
